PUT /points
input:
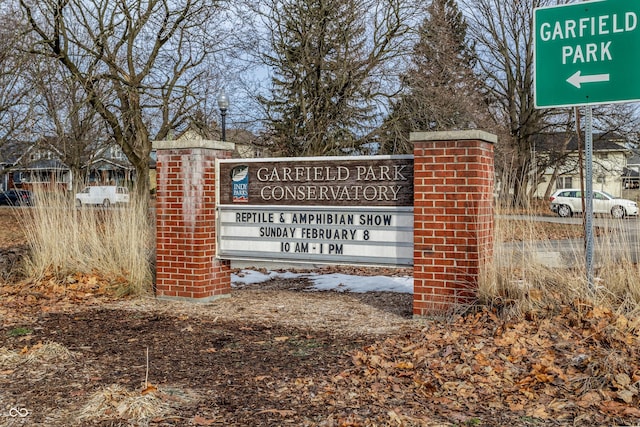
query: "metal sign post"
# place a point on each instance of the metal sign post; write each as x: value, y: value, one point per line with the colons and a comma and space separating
x: 588, y: 169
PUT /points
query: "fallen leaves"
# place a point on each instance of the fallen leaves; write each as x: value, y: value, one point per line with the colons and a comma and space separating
x: 619, y: 409
x: 150, y: 388
x: 573, y: 368
x: 626, y: 390
x: 201, y: 421
x: 580, y: 366
x: 281, y: 412
x: 543, y: 368
x: 50, y: 293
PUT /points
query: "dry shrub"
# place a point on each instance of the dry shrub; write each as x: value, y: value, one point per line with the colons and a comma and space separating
x: 117, y: 402
x: 9, y: 358
x: 529, y: 272
x: 39, y: 353
x: 140, y: 407
x: 115, y: 242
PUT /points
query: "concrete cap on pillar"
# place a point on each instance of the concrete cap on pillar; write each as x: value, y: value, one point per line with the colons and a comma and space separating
x: 454, y: 135
x: 193, y: 143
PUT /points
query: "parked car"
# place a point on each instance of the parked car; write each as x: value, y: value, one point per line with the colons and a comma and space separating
x: 568, y: 201
x: 15, y: 197
x: 104, y: 195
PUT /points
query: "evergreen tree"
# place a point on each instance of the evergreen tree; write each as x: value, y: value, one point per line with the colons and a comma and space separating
x: 439, y: 89
x: 321, y: 97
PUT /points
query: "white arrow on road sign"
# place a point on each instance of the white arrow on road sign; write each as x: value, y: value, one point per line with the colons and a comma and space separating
x: 576, y: 79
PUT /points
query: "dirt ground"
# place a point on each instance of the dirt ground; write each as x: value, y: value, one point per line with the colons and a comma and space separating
x: 237, y: 361
x: 71, y: 354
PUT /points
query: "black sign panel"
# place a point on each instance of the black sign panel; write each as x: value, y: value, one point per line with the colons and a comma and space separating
x: 358, y: 181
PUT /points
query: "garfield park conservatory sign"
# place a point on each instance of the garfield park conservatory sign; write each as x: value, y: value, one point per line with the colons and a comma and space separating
x: 432, y: 211
x: 356, y: 210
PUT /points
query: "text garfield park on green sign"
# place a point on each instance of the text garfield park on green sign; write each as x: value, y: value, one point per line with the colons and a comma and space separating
x: 587, y: 53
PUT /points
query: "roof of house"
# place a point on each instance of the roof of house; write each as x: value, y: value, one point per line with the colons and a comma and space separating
x: 109, y: 164
x: 45, y: 164
x: 557, y: 141
x: 11, y: 151
x: 199, y: 131
x: 14, y: 155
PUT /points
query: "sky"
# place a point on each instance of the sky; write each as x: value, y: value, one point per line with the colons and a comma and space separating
x: 333, y: 281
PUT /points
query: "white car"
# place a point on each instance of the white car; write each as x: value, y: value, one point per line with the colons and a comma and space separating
x: 568, y: 201
x: 104, y: 195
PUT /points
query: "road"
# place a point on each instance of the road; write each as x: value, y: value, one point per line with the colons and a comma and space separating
x: 620, y: 242
x: 629, y: 223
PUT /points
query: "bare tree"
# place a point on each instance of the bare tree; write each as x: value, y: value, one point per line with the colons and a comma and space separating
x: 504, y: 34
x: 15, y: 110
x: 66, y: 124
x: 136, y: 61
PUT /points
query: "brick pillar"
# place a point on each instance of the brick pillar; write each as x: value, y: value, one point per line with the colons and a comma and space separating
x: 186, y: 221
x: 453, y: 217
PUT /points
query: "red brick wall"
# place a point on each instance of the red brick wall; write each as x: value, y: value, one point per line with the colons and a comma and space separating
x: 186, y: 227
x: 453, y: 217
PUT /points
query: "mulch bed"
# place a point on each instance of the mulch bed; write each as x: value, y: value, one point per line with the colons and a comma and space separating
x: 234, y: 373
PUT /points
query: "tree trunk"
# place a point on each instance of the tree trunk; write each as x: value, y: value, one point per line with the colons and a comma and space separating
x: 141, y: 188
x: 552, y: 182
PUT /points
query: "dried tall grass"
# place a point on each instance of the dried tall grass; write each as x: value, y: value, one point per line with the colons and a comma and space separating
x: 115, y: 243
x: 38, y: 354
x: 529, y: 271
x: 117, y: 402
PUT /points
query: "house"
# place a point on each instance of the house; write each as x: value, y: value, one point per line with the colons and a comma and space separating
x: 556, y: 157
x: 26, y: 165
x: 631, y: 177
x: 109, y: 166
x: 10, y: 151
x: 248, y: 146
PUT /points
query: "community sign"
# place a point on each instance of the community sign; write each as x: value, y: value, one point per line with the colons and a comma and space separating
x: 348, y: 210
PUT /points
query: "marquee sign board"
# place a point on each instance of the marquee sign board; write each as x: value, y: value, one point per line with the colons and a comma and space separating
x: 587, y: 53
x: 349, y: 210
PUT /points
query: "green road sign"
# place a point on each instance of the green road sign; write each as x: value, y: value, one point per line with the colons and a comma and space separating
x: 587, y: 53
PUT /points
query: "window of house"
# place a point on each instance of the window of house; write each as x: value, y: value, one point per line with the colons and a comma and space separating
x: 563, y: 182
x: 116, y: 153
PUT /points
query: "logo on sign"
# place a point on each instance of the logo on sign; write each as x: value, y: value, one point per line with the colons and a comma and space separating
x: 240, y: 184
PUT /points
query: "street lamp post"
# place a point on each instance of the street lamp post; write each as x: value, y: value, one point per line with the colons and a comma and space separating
x: 223, y: 104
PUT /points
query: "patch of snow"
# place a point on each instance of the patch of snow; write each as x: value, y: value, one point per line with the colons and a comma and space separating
x: 251, y: 277
x: 334, y: 281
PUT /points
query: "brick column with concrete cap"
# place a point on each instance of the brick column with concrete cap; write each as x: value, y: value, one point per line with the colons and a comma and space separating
x: 453, y: 217
x: 186, y: 266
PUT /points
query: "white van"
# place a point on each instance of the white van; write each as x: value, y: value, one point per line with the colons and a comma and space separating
x: 104, y: 195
